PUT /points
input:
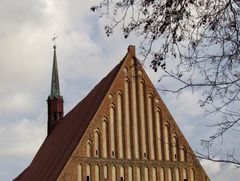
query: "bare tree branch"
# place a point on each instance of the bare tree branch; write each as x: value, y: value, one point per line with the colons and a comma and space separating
x: 194, y: 43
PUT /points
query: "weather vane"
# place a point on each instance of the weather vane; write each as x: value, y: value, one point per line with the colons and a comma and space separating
x: 54, y: 39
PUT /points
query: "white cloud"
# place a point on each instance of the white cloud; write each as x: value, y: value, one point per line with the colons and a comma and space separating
x: 20, y: 12
x: 211, y: 167
x: 17, y: 102
x: 187, y: 103
x: 220, y: 172
x: 21, y: 139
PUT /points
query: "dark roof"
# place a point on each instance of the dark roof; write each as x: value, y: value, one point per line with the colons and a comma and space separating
x: 60, y: 144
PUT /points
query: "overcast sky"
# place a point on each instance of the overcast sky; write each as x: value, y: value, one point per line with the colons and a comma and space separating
x: 85, y: 56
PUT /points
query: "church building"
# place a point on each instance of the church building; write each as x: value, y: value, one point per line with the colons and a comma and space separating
x: 121, y: 131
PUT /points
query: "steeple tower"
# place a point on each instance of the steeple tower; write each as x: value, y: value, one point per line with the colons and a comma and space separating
x: 55, y: 100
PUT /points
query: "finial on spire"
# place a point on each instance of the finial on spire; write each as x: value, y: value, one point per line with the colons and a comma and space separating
x: 54, y: 40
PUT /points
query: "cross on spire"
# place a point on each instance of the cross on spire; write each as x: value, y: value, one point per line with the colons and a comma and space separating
x: 54, y: 39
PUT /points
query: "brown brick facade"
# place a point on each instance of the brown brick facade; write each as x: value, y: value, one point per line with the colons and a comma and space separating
x: 157, y: 148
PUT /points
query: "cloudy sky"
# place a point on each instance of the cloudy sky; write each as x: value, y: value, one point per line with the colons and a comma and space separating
x: 85, y: 56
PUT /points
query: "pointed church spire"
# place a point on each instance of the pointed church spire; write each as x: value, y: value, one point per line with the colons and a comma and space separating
x: 55, y: 100
x: 55, y: 90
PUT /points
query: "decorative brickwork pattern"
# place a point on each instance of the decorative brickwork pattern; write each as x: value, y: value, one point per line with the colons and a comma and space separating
x: 132, y: 136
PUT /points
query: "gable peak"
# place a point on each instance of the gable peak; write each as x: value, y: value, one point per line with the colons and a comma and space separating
x: 131, y: 50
